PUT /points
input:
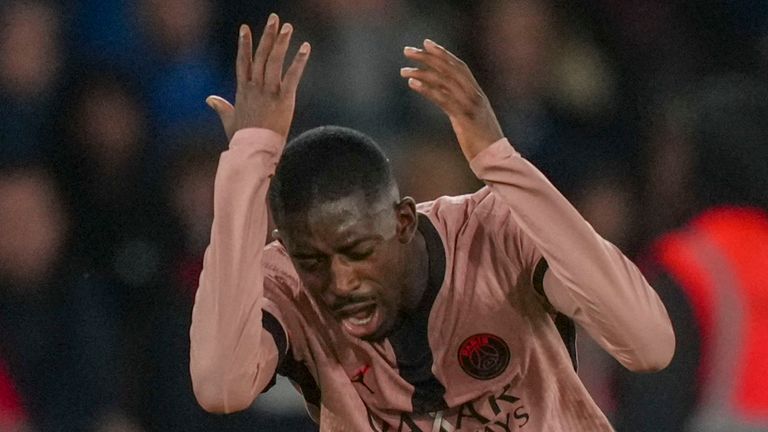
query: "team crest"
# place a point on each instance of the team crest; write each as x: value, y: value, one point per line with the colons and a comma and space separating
x: 483, y: 356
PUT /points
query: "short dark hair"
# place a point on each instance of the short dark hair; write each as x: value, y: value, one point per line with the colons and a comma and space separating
x: 325, y: 164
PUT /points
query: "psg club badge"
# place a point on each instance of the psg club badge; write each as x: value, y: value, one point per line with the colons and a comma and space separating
x: 483, y: 356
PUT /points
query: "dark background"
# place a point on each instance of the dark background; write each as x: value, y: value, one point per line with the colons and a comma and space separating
x: 108, y: 151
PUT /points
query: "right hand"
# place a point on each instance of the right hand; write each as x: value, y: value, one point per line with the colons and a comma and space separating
x: 265, y: 97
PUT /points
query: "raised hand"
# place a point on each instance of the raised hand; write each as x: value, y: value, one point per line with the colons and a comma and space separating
x: 265, y: 97
x: 447, y: 81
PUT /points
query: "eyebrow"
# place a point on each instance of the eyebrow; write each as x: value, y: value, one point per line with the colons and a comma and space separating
x: 344, y: 248
x: 354, y: 243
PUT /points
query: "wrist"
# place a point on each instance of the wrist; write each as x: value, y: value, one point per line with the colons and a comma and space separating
x: 258, y: 136
x: 476, y: 148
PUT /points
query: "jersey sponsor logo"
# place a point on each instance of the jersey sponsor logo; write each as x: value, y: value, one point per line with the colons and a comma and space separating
x: 483, y: 356
x: 501, y: 411
x: 359, y: 377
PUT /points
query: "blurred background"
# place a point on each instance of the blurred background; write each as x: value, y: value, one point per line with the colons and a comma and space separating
x: 108, y: 153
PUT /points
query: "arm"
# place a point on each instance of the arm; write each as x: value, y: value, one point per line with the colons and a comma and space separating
x: 232, y: 357
x: 588, y: 279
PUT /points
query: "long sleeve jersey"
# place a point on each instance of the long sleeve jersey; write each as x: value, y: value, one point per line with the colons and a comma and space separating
x: 481, y: 351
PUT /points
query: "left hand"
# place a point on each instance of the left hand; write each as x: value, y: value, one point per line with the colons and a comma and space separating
x: 266, y: 94
x: 447, y: 81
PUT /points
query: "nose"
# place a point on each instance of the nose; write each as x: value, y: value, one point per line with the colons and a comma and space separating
x: 344, y: 280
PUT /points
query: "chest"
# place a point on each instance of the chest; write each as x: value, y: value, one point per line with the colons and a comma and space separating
x: 469, y: 341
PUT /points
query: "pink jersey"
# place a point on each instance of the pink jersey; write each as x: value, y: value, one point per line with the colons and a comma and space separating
x: 482, y: 350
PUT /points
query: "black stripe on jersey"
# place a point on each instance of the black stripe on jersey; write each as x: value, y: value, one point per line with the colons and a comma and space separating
x: 410, y: 340
x: 273, y: 326
x: 287, y: 366
x: 567, y: 330
x: 564, y: 324
x: 300, y: 375
x: 538, y: 277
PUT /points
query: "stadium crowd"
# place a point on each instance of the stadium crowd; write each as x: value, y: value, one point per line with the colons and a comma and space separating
x: 108, y: 153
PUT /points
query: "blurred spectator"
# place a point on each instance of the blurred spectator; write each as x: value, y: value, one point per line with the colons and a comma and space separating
x: 551, y: 86
x: 121, y: 231
x: 670, y: 156
x: 103, y: 33
x: 191, y: 198
x: 432, y: 165
x: 354, y: 75
x: 711, y: 273
x: 652, y: 40
x: 181, y: 69
x: 56, y: 332
x: 164, y: 47
x: 110, y: 181
x: 30, y: 66
x: 606, y: 200
x: 35, y: 229
x: 517, y: 39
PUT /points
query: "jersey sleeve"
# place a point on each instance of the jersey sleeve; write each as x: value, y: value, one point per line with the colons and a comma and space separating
x: 588, y: 279
x: 236, y: 346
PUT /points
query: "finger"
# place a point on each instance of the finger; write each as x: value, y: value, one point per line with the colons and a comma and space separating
x: 225, y: 111
x: 433, y: 94
x: 435, y: 57
x: 454, y: 84
x: 450, y: 58
x: 296, y: 70
x: 244, y: 47
x: 433, y: 78
x: 442, y: 53
x: 220, y: 105
x: 265, y: 47
x: 274, y: 70
x: 427, y: 59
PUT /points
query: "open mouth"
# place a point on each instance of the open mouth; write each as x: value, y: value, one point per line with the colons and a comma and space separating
x: 360, y: 319
x: 363, y: 316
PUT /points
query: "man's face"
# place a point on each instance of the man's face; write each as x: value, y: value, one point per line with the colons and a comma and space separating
x: 351, y: 255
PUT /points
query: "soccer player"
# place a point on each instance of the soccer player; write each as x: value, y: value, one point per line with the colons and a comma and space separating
x: 388, y: 315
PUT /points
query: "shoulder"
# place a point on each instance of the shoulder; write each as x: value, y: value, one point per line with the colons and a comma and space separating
x: 461, y: 206
x: 457, y: 213
x: 285, y: 298
x: 279, y: 270
x: 480, y: 221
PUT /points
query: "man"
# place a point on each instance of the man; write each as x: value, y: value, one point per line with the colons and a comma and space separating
x: 392, y: 316
x: 711, y: 271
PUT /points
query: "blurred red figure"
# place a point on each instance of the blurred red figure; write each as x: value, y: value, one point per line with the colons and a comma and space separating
x: 12, y: 415
x: 712, y: 273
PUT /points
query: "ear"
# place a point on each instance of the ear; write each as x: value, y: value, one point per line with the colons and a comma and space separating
x: 407, y: 219
x: 277, y: 236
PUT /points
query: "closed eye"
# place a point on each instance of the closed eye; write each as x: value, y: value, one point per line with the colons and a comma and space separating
x: 360, y: 255
x: 308, y: 264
